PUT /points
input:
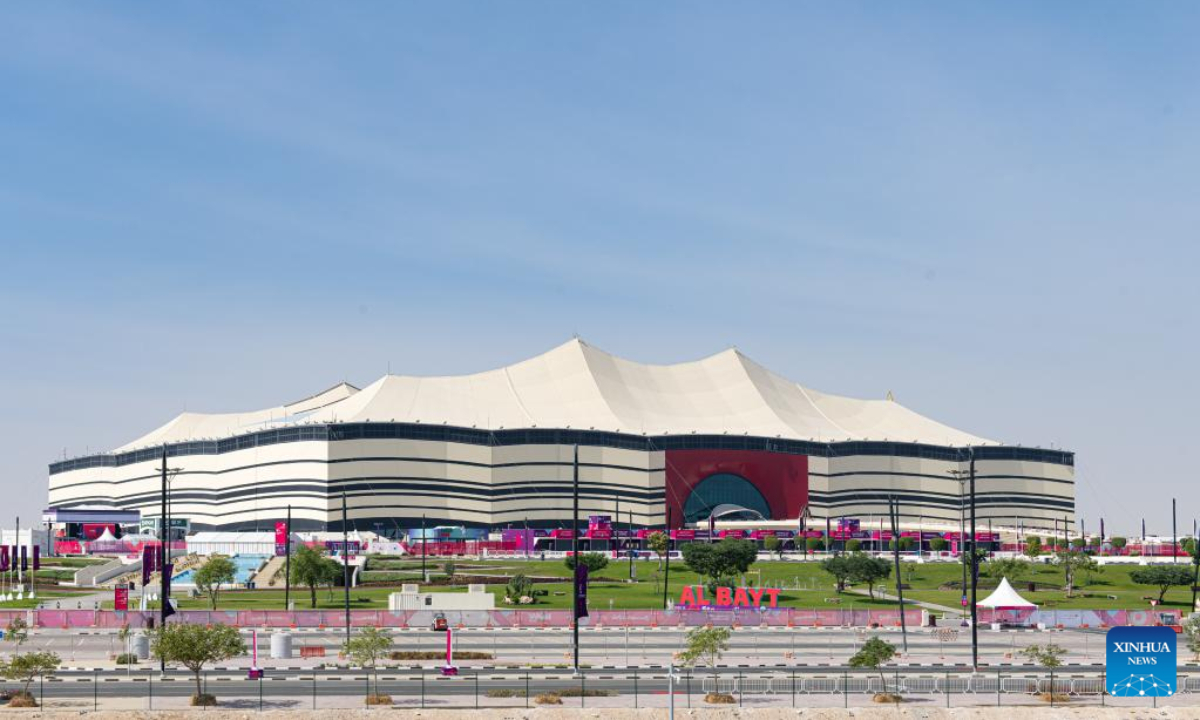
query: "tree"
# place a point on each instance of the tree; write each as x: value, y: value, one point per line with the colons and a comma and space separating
x: 658, y: 542
x: 1163, y: 576
x: 194, y: 646
x: 906, y: 543
x: 707, y: 644
x: 720, y: 562
x: 1048, y: 655
x: 839, y: 567
x: 519, y: 587
x: 773, y: 545
x: 1191, y: 631
x: 1012, y: 568
x: 853, y: 545
x: 593, y: 561
x: 1119, y: 543
x: 867, y: 569
x: 1074, y: 563
x: 17, y: 632
x: 1078, y: 543
x: 1033, y: 546
x: 217, y: 571
x: 366, y: 650
x: 310, y: 567
x: 29, y: 667
x: 938, y: 544
x: 814, y: 544
x: 873, y: 654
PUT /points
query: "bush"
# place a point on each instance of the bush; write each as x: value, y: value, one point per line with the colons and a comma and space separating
x: 22, y: 700
x: 719, y: 699
x: 886, y: 697
x: 814, y: 544
x: 593, y: 561
x: 378, y: 699
x: 938, y: 544
x: 127, y: 659
x: 449, y: 568
x: 853, y: 545
x: 438, y: 655
x: 204, y: 700
x: 548, y: 698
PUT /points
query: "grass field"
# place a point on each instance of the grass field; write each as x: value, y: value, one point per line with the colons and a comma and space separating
x: 806, y: 586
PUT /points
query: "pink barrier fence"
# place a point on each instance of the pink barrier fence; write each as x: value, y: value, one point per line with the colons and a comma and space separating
x: 562, y: 618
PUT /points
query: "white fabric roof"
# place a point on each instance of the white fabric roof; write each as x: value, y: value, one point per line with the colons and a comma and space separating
x: 578, y: 386
x: 1005, y: 597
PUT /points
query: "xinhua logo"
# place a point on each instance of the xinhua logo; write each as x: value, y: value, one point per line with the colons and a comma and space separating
x: 1140, y: 662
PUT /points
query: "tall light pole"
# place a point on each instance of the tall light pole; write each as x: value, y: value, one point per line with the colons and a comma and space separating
x: 346, y: 562
x: 974, y: 573
x: 1174, y: 534
x: 961, y: 476
x: 287, y: 561
x: 578, y: 564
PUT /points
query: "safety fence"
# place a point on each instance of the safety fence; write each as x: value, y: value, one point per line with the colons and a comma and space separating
x: 782, y: 617
x: 636, y: 687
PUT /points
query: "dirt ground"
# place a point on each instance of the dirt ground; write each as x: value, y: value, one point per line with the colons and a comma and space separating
x: 881, y: 713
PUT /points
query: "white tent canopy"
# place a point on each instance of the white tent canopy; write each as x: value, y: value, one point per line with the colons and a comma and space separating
x: 1005, y: 597
x: 105, y: 537
x: 579, y: 386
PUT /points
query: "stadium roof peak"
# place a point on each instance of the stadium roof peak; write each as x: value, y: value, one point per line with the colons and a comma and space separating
x: 577, y: 385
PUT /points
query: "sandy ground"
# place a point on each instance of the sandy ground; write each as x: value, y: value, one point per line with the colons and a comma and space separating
x: 866, y: 713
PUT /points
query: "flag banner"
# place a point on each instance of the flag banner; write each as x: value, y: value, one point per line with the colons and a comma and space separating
x: 3, y: 558
x: 581, y: 589
x: 37, y: 557
x: 121, y: 597
x: 24, y: 558
x: 168, y: 607
x: 281, y: 538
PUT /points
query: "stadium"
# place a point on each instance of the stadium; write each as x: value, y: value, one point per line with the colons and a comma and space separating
x: 721, y: 439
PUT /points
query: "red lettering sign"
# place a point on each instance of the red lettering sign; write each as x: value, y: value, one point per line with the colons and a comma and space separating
x: 121, y: 597
x: 692, y: 597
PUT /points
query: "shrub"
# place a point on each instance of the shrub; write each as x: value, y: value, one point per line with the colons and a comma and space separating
x: 22, y: 700
x: 719, y: 698
x: 204, y: 700
x: 548, y: 698
x: 853, y: 545
x: 378, y: 699
x: 127, y: 659
x: 938, y: 544
x: 814, y: 544
x: 438, y: 655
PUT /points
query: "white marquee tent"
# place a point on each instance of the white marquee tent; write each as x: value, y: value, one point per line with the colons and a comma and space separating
x: 1005, y: 597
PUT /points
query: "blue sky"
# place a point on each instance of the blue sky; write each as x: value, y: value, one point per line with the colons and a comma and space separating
x: 989, y: 210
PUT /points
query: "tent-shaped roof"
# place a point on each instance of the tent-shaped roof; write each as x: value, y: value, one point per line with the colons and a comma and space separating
x: 105, y: 537
x: 578, y: 386
x: 1004, y: 596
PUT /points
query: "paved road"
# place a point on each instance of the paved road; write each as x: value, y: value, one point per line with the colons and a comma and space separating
x: 618, y: 646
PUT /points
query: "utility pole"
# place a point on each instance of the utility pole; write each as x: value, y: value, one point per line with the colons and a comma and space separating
x: 1174, y: 534
x: 346, y: 562
x: 287, y: 562
x: 961, y: 476
x: 163, y: 540
x: 631, y: 540
x: 974, y: 575
x: 575, y: 553
x: 894, y: 514
x: 667, y: 577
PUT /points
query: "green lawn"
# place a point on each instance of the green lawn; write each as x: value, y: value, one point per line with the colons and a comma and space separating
x: 806, y: 586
